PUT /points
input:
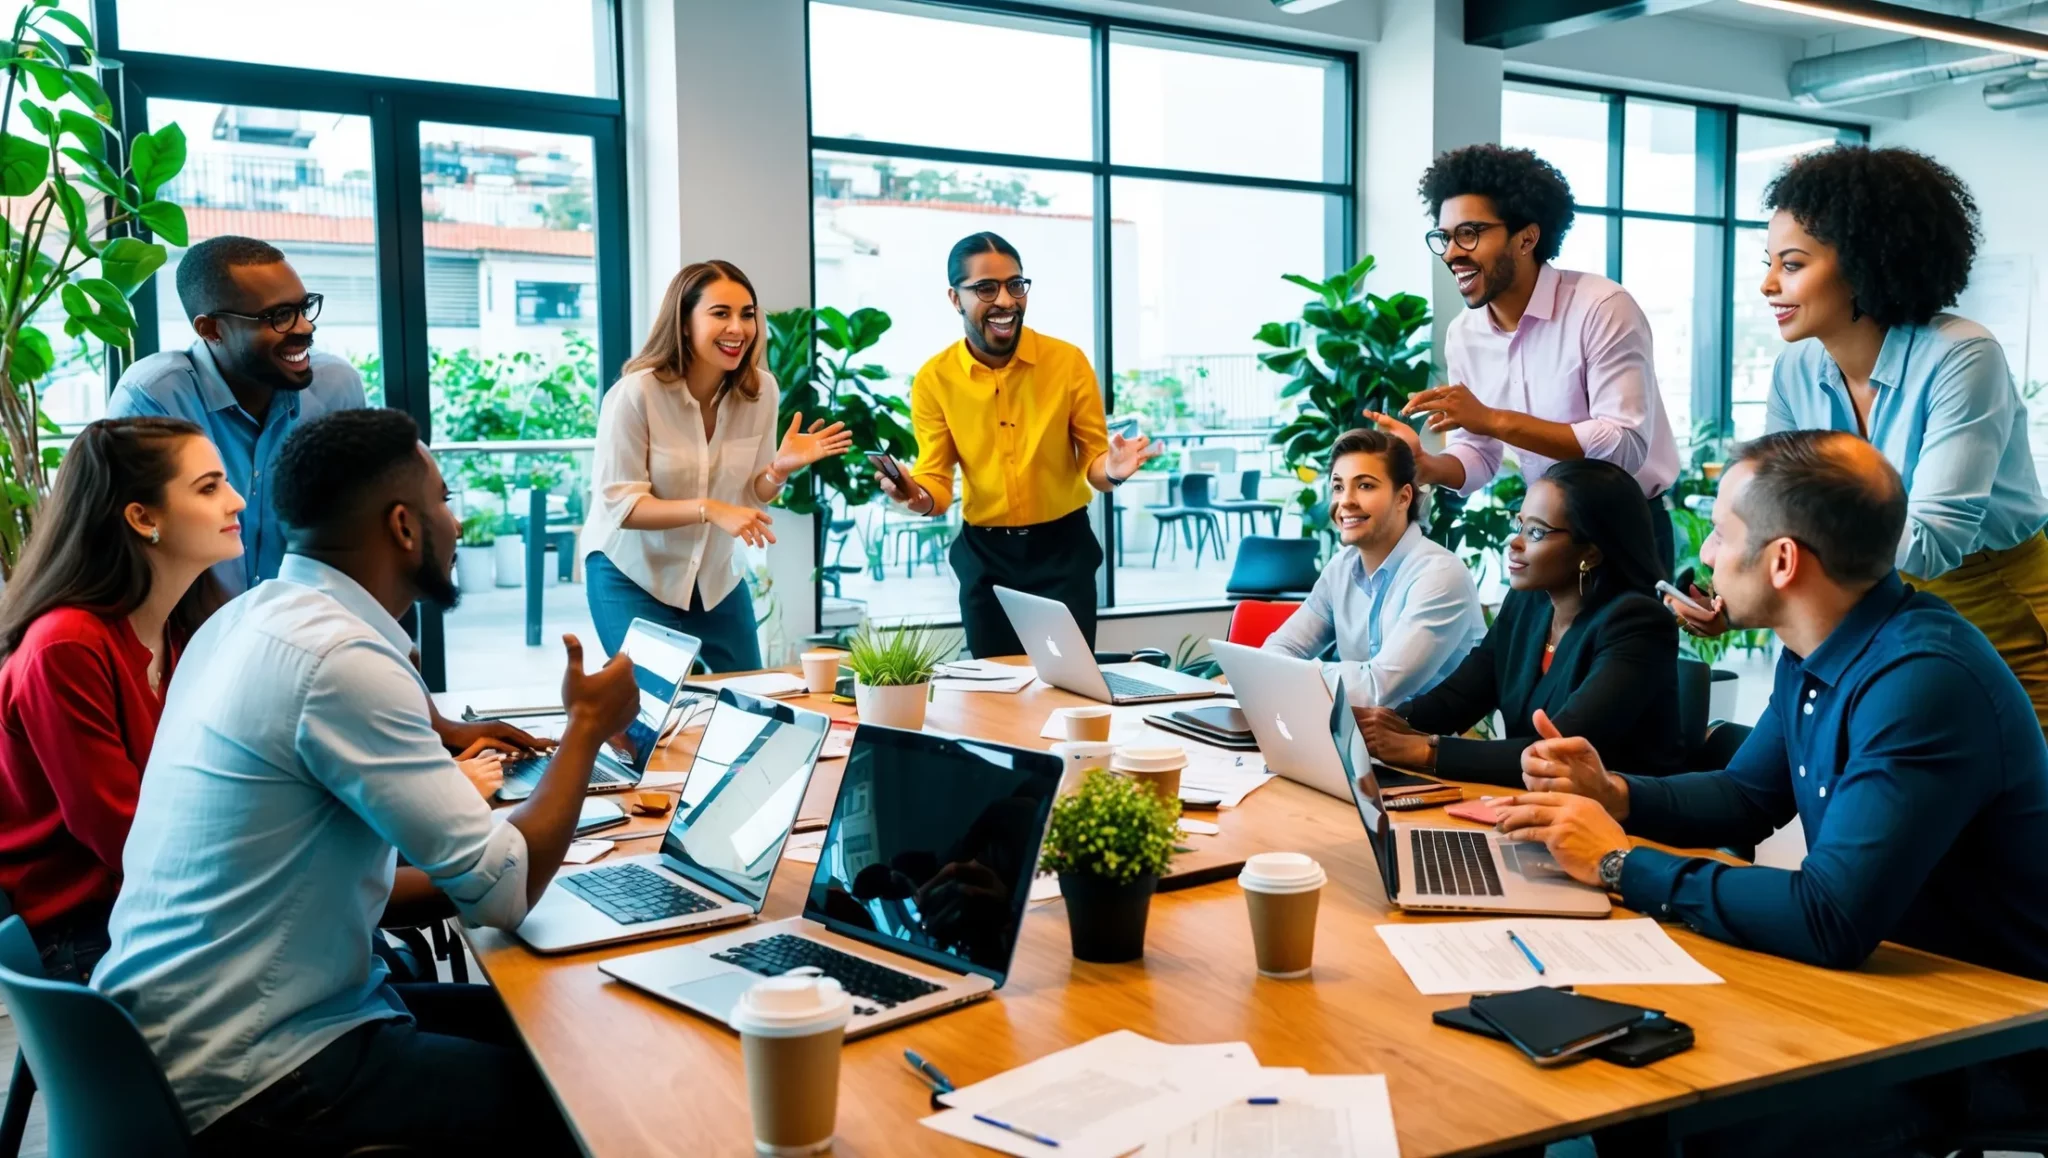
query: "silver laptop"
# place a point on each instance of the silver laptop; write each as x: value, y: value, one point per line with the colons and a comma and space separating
x: 1063, y: 658
x: 661, y: 663
x: 1454, y: 870
x: 1287, y: 705
x: 719, y: 854
x: 919, y: 892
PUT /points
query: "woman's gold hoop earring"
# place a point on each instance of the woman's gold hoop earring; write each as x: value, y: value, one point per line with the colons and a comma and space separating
x: 1585, y: 569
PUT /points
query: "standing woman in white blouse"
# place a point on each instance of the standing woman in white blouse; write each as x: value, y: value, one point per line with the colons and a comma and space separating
x: 686, y: 463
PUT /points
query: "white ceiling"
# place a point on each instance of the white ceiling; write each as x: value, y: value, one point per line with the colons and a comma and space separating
x: 1739, y: 15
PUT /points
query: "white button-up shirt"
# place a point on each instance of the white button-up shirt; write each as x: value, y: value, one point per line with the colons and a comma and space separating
x: 1581, y: 355
x: 650, y: 441
x: 295, y: 755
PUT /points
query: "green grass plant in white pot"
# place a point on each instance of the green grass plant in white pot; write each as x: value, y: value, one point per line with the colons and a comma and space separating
x: 892, y: 671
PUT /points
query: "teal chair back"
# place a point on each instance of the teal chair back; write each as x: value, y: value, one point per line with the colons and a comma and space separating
x: 102, y: 1089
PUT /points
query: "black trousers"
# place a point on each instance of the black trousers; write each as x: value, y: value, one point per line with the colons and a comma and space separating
x: 1660, y: 526
x: 1056, y: 560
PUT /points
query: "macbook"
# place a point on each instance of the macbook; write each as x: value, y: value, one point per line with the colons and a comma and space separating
x: 1287, y: 705
x: 719, y: 854
x: 918, y: 895
x: 1063, y: 658
x: 661, y: 662
x: 1454, y: 870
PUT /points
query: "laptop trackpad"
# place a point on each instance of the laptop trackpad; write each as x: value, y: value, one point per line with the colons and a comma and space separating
x: 718, y: 994
x: 1532, y: 860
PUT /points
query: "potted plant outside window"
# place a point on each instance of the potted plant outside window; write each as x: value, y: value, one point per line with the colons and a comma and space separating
x: 1109, y: 842
x: 476, y: 567
x: 892, y: 672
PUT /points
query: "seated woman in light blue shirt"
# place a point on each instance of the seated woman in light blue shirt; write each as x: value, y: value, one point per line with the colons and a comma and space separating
x: 1866, y: 248
x: 1401, y: 610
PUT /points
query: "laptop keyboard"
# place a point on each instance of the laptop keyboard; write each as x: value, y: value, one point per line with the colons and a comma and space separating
x: 1123, y: 685
x: 864, y: 979
x: 527, y: 771
x: 1453, y: 862
x: 631, y: 894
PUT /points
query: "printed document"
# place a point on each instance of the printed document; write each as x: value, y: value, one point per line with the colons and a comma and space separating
x: 1478, y: 956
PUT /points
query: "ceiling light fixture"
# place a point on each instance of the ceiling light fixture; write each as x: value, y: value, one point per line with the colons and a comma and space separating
x: 1296, y: 7
x: 1918, y: 22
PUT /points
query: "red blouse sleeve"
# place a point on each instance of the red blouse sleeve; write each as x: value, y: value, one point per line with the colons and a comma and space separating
x: 72, y: 720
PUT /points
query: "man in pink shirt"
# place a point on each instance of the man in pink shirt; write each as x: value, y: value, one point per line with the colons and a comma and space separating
x: 1554, y: 363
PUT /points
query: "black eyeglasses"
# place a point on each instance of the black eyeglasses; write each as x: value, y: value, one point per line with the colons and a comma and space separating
x: 1466, y: 236
x: 1535, y: 532
x: 280, y: 318
x: 986, y: 290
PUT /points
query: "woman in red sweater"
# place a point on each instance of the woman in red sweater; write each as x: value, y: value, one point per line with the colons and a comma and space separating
x: 112, y: 584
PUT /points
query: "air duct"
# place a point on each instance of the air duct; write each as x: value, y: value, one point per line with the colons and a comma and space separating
x: 1906, y: 65
x: 2017, y: 93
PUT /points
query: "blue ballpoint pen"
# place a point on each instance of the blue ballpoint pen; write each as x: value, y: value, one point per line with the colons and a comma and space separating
x: 1020, y: 1131
x: 939, y: 1082
x: 1519, y: 944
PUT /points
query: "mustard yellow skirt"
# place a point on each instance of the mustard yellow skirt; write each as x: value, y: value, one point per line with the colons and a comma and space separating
x: 2005, y: 593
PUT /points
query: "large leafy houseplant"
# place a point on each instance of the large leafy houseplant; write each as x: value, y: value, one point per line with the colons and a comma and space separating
x: 1349, y: 352
x: 812, y: 354
x: 67, y: 237
x: 521, y: 396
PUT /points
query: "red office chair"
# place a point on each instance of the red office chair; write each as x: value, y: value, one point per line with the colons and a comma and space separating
x: 1252, y: 620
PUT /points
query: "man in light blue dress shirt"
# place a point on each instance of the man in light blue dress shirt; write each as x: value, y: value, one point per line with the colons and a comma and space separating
x: 296, y: 760
x: 249, y: 380
x: 1401, y: 610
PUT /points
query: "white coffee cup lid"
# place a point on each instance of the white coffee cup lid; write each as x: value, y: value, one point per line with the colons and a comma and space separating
x: 792, y: 1006
x: 1151, y: 758
x: 1088, y: 713
x: 1282, y: 872
x: 811, y: 655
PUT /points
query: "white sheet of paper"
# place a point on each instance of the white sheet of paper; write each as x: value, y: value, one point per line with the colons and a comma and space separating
x: 1232, y: 775
x: 973, y: 675
x: 1199, y: 827
x: 585, y: 851
x: 1328, y: 1115
x: 804, y: 847
x: 768, y: 683
x: 1103, y: 1098
x: 838, y: 744
x: 1045, y: 887
x: 1127, y: 722
x: 1477, y: 957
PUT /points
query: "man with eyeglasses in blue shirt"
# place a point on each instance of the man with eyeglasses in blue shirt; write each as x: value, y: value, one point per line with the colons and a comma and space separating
x: 250, y: 379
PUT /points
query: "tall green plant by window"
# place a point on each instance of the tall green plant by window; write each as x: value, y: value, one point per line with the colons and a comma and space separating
x: 812, y: 353
x: 511, y: 397
x: 68, y: 239
x: 1350, y: 351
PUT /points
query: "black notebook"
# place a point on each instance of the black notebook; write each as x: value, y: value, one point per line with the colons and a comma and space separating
x: 1550, y: 1025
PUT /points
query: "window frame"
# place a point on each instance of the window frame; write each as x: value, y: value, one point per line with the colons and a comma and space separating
x: 1714, y: 151
x: 1340, y: 139
x: 395, y: 108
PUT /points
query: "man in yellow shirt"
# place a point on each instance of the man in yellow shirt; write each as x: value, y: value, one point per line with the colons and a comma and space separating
x: 1021, y: 415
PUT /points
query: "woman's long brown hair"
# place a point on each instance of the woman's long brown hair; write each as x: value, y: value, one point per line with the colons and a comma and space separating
x: 667, y: 350
x: 83, y: 553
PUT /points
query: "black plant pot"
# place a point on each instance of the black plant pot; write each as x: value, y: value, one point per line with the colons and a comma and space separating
x: 1107, y: 921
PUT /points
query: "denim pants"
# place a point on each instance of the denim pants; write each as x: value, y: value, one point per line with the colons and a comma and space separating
x: 71, y: 946
x: 454, y: 1081
x: 731, y: 640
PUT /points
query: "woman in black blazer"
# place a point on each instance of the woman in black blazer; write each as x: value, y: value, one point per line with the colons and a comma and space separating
x: 1581, y: 636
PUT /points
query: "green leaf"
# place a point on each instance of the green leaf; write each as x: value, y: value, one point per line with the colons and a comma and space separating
x: 156, y: 159
x: 91, y: 166
x: 873, y: 373
x: 49, y: 79
x: 95, y: 98
x: 38, y: 116
x: 165, y: 220
x: 128, y: 262
x: 23, y: 165
x: 33, y: 356
x: 112, y: 302
x: 1285, y: 362
x: 106, y: 331
x: 57, y: 49
x: 77, y: 219
x: 1314, y: 287
x: 89, y: 132
x: 78, y: 27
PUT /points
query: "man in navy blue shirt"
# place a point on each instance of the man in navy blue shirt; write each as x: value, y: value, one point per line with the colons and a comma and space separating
x: 1905, y: 747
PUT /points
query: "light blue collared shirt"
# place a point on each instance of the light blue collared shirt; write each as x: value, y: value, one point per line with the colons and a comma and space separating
x: 186, y: 384
x: 295, y: 754
x: 1399, y: 630
x: 1948, y: 417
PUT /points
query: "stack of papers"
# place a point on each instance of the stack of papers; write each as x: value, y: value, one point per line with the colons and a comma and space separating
x: 983, y: 675
x: 1124, y: 1092
x: 1477, y: 956
x: 1233, y: 775
x: 767, y: 684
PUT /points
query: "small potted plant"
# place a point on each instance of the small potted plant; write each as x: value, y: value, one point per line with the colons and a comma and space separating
x: 476, y: 567
x: 1109, y: 841
x: 892, y: 672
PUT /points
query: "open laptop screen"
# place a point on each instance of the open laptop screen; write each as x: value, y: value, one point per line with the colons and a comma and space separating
x: 730, y: 840
x: 661, y: 661
x: 1365, y: 790
x: 933, y: 844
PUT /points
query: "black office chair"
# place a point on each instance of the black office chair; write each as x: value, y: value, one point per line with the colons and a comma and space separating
x: 1248, y: 506
x: 1195, y: 508
x: 1709, y: 743
x: 1274, y: 568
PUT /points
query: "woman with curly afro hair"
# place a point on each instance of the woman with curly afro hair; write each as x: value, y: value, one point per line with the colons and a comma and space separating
x: 1866, y: 249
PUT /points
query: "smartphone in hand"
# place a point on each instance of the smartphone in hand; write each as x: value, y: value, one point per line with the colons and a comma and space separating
x: 1666, y: 588
x: 886, y: 463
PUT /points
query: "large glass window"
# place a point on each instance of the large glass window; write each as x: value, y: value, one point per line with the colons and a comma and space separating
x: 1222, y: 166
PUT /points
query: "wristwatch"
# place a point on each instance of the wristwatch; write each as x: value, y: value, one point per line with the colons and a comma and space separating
x: 1610, y: 870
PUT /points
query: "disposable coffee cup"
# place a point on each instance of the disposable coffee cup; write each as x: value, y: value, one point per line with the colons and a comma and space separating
x: 1155, y: 766
x: 1281, y: 891
x: 791, y: 1030
x: 1089, y: 725
x: 821, y: 671
x: 1078, y: 757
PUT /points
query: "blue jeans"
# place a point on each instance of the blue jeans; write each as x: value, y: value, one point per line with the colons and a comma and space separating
x: 455, y: 1081
x: 71, y: 946
x: 731, y: 642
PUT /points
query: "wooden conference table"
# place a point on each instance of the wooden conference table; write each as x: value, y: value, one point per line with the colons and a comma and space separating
x: 639, y: 1077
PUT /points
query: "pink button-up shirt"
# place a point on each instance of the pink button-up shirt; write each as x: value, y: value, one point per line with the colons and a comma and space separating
x: 1582, y: 356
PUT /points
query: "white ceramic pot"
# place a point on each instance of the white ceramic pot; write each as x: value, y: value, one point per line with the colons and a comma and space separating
x: 892, y: 707
x: 511, y: 555
x: 476, y: 568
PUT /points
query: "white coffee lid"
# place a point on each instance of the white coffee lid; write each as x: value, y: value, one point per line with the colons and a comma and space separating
x: 1155, y: 758
x: 1088, y: 712
x: 825, y: 654
x: 1282, y: 872
x: 792, y: 1006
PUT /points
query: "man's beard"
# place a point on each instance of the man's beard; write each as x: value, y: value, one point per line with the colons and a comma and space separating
x: 1497, y: 278
x: 435, y: 581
